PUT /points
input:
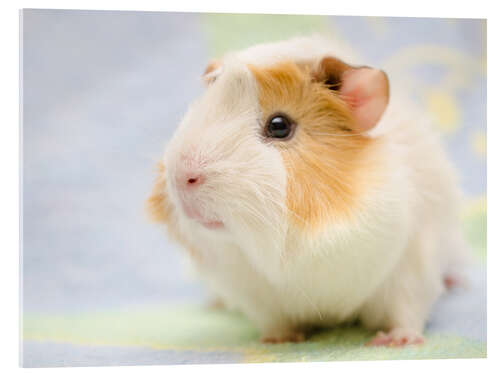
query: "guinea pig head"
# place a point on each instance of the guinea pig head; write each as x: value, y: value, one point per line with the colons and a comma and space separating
x: 274, y: 146
x: 218, y: 173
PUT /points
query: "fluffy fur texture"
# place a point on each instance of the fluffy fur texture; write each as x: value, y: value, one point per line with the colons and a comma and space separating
x: 329, y: 226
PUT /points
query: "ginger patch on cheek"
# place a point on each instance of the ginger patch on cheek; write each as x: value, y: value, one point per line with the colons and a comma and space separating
x: 328, y: 166
x: 158, y: 206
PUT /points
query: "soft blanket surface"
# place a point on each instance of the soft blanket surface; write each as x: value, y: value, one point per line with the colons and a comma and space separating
x: 177, y: 334
x: 190, y: 334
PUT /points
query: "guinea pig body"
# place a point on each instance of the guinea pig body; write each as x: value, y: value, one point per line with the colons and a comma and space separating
x: 305, y: 197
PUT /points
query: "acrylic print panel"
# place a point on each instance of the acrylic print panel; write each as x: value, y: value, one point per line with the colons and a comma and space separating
x: 103, y: 91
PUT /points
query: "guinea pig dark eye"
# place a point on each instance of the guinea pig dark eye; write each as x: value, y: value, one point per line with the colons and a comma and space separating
x: 279, y: 126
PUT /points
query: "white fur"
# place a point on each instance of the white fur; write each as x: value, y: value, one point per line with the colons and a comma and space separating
x: 384, y: 267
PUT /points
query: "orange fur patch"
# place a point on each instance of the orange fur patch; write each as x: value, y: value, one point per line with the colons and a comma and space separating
x: 158, y: 206
x: 328, y: 168
x: 211, y: 67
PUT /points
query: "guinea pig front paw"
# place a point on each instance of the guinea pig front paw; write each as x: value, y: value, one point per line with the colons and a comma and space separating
x: 396, y: 337
x: 293, y: 336
x: 455, y: 280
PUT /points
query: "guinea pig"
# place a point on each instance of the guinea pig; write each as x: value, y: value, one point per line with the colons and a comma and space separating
x: 309, y: 194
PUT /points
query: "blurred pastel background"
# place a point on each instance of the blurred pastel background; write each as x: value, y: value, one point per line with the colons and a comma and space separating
x: 102, y: 93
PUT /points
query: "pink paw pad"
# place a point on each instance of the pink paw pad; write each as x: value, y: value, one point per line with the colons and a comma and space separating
x: 451, y: 281
x: 396, y: 338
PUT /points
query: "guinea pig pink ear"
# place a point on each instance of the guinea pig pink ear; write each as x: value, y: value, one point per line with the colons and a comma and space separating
x: 213, y: 69
x: 365, y: 89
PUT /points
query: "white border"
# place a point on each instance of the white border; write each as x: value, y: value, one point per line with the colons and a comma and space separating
x: 9, y: 148
x: 20, y: 152
x: 421, y: 8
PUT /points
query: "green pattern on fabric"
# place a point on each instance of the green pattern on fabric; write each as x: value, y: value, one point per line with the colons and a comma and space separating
x: 227, y: 32
x: 198, y: 329
x: 475, y: 231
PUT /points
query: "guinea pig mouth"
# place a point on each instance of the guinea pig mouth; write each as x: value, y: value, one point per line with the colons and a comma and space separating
x: 192, y: 212
x: 212, y: 224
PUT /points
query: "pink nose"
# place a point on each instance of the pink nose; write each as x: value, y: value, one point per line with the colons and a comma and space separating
x: 193, y: 180
x: 189, y: 180
x: 189, y: 174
